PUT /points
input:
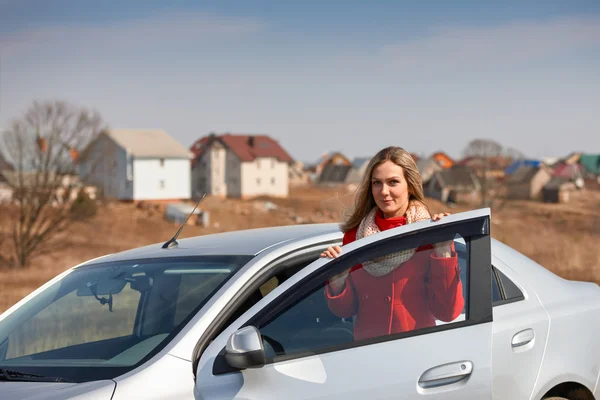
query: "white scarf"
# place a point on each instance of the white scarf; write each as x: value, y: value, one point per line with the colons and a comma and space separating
x: 386, y: 264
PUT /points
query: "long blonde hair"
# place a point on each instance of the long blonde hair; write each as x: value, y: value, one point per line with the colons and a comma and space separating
x: 364, y: 201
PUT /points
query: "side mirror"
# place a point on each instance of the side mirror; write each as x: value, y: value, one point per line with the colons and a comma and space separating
x: 245, y: 349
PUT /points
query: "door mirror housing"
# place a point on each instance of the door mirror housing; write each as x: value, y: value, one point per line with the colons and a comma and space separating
x: 245, y: 349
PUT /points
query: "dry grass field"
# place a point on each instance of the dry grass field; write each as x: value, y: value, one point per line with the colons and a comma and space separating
x: 565, y: 238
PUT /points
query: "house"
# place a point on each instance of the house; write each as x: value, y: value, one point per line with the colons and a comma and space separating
x: 527, y: 182
x: 4, y: 164
x: 457, y: 184
x: 494, y: 167
x: 298, y: 174
x: 515, y: 165
x: 427, y: 168
x: 332, y: 158
x: 233, y: 165
x: 591, y: 162
x: 443, y: 159
x: 334, y: 174
x: 435, y: 162
x: 6, y: 191
x: 65, y: 188
x: 570, y: 172
x: 359, y: 167
x: 558, y: 190
x: 137, y: 165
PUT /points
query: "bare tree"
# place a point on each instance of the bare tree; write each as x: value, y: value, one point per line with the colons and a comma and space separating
x: 43, y: 147
x: 483, y: 150
x: 514, y: 154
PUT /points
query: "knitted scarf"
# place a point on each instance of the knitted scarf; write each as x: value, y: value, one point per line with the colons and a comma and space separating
x: 386, y: 264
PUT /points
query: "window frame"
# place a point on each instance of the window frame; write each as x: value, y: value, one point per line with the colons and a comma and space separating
x: 498, y: 275
x: 475, y: 232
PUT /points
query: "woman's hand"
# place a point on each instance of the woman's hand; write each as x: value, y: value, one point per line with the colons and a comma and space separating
x: 332, y: 252
x: 442, y: 249
x: 437, y: 217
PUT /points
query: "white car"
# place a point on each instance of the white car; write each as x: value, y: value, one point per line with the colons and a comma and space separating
x: 243, y: 315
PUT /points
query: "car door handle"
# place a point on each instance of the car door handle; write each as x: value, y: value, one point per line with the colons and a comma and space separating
x: 446, y: 374
x: 522, y: 338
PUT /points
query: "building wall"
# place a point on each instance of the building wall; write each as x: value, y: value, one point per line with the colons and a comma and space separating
x: 538, y: 182
x: 161, y: 179
x: 265, y: 176
x: 233, y: 175
x: 216, y: 171
x: 520, y: 191
x: 108, y: 167
x: 200, y: 175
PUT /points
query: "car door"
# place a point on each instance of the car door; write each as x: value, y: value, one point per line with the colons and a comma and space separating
x: 310, y: 352
x: 521, y: 326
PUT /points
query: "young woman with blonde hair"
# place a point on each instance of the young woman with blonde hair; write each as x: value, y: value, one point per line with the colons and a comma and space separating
x: 401, y: 291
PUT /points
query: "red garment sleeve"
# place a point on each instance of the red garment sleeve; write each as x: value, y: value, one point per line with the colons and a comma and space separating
x: 445, y: 289
x: 344, y: 304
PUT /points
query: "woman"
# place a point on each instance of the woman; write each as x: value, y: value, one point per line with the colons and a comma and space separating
x: 402, y: 291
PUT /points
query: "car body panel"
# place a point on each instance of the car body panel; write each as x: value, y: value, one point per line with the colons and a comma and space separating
x: 250, y: 241
x: 516, y: 369
x: 97, y: 390
x: 167, y: 378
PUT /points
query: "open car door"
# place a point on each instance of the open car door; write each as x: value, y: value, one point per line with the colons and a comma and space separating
x: 300, y: 343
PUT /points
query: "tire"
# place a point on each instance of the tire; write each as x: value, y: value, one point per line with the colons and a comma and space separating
x: 575, y: 394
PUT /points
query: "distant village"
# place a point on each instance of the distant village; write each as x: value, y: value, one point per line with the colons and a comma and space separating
x: 150, y: 165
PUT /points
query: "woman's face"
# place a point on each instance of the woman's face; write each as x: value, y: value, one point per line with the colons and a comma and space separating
x: 390, y: 189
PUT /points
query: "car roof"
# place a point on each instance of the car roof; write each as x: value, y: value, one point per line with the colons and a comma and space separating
x: 240, y: 242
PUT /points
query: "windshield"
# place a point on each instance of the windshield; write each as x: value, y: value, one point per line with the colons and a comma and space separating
x: 101, y: 321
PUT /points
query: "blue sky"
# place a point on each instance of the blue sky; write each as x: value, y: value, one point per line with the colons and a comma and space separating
x: 316, y: 75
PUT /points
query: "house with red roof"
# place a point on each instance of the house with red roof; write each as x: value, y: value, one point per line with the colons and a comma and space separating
x: 234, y: 165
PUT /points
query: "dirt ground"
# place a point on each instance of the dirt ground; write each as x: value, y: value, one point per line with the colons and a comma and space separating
x: 562, y: 237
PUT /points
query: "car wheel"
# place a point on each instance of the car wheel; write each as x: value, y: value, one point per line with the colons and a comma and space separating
x: 576, y: 394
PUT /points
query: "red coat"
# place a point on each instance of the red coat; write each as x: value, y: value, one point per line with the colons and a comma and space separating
x: 410, y: 297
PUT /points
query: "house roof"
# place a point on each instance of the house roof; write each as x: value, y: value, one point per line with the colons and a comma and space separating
x: 148, y: 143
x: 458, y: 177
x: 567, y: 171
x: 591, y: 162
x: 335, y: 173
x: 443, y: 159
x: 245, y: 147
x: 524, y: 174
x: 512, y: 168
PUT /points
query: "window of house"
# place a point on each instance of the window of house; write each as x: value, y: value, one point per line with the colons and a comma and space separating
x: 272, y: 163
x: 258, y: 181
x: 272, y: 181
x: 258, y: 163
x: 161, y: 184
x: 162, y: 162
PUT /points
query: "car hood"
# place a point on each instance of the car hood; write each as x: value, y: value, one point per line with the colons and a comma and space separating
x: 97, y: 390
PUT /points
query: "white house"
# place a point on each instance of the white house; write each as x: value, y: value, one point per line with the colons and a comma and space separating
x: 240, y: 166
x: 137, y: 165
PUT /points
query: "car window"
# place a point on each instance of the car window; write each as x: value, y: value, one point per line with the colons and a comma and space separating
x: 100, y: 321
x: 508, y: 292
x: 511, y: 291
x: 496, y: 296
x: 418, y: 287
